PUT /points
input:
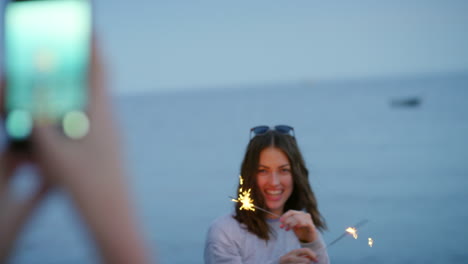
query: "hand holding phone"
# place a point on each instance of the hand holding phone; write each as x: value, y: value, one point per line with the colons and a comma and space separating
x: 47, y: 53
x: 92, y: 173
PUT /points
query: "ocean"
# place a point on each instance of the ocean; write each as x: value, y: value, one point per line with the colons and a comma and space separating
x: 393, y: 151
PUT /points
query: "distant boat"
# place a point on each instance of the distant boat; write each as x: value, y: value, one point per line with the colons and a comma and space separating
x: 409, y: 102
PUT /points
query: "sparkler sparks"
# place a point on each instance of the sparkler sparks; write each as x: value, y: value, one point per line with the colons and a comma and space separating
x: 352, y: 231
x: 371, y: 242
x: 244, y: 198
x: 246, y: 201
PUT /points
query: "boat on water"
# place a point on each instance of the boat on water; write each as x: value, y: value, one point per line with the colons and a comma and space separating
x: 407, y: 102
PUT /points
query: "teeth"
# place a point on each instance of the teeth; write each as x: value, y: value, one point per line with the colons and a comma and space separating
x: 274, y: 192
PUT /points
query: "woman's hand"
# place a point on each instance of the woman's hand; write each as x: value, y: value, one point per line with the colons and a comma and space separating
x: 301, y: 223
x: 299, y: 256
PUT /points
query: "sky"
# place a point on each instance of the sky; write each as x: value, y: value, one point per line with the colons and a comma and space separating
x: 185, y: 45
x: 154, y: 45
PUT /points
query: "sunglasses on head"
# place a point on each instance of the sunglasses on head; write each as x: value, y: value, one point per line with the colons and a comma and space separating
x: 260, y: 130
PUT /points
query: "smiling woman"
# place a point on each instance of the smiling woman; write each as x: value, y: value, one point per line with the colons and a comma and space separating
x: 273, y: 168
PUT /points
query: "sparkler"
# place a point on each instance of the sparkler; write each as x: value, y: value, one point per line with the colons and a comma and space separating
x: 246, y: 201
x: 248, y: 205
x: 244, y: 198
x: 349, y: 230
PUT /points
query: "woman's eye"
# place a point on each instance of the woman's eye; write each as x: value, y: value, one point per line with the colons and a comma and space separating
x: 261, y: 171
x: 285, y: 170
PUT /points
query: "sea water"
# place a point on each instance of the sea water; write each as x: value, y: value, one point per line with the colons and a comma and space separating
x: 402, y: 167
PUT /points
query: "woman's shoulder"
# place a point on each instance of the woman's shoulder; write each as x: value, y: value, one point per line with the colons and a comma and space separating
x: 225, y: 223
x: 226, y: 226
x: 224, y: 240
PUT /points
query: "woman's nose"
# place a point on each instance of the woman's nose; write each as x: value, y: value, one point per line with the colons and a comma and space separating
x: 274, y: 178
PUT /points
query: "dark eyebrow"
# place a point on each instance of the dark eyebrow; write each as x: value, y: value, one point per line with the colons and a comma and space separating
x: 284, y: 165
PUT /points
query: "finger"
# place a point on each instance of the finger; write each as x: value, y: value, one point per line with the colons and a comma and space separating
x: 299, y: 260
x: 290, y: 222
x: 306, y: 253
x: 289, y: 213
x: 298, y: 219
x: 96, y: 73
x: 285, y: 217
x: 303, y: 222
x: 100, y: 105
x: 294, y: 259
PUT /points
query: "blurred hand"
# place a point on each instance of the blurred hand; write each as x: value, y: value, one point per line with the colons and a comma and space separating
x: 301, y: 223
x: 299, y: 256
x: 91, y: 171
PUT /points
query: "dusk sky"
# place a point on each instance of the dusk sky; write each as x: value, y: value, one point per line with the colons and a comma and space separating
x: 185, y: 45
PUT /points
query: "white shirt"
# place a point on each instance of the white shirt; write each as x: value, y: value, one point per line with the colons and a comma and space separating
x: 229, y: 242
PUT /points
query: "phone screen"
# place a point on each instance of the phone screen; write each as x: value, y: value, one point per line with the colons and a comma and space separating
x: 47, y: 54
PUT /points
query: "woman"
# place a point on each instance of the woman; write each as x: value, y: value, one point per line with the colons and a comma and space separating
x: 274, y: 170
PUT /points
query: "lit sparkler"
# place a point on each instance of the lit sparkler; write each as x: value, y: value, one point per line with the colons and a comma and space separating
x: 244, y: 198
x: 349, y: 230
x: 246, y: 201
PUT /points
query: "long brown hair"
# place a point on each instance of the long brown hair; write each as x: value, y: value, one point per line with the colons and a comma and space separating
x: 302, y: 196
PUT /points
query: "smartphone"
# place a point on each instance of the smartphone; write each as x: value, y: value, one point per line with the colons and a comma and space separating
x: 47, y: 50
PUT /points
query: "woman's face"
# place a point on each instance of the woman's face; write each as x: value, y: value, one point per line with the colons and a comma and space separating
x: 274, y: 179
